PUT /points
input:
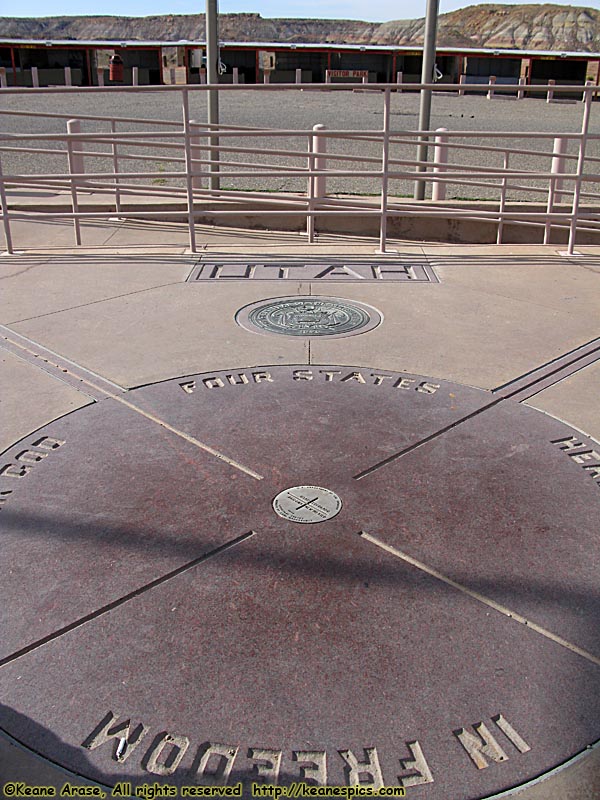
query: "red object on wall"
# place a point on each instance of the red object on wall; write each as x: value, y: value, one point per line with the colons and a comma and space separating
x: 115, y: 68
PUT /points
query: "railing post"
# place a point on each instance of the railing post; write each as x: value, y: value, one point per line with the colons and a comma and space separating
x: 585, y: 125
x: 558, y: 164
x: 440, y: 160
x: 35, y: 78
x: 135, y: 76
x: 319, y: 147
x: 74, y: 126
x: 584, y: 95
x: 555, y: 185
x: 196, y: 141
x: 521, y: 89
x: 317, y: 188
x: 100, y: 73
x: 3, y: 84
x: 5, y: 215
x: 365, y: 79
x: 327, y: 76
x: 236, y: 75
x: 298, y: 75
x: 399, y: 79
x: 188, y: 167
x: 75, y: 168
x: 550, y: 95
x: 492, y: 83
x: 68, y: 77
x: 115, y: 160
x: 502, y: 200
x: 266, y: 76
x: 310, y: 190
x: 461, y: 82
x: 385, y: 158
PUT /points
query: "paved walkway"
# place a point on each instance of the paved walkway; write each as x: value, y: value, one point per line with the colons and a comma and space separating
x: 82, y: 325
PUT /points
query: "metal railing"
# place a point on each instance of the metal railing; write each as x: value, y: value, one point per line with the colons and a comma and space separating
x: 193, y: 160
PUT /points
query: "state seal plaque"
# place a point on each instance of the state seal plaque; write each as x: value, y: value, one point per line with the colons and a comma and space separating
x: 309, y: 316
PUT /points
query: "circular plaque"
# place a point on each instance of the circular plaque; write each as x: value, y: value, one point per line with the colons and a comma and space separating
x: 307, y: 504
x: 166, y: 619
x: 309, y: 316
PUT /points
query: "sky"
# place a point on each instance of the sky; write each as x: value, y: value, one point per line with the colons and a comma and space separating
x: 378, y: 11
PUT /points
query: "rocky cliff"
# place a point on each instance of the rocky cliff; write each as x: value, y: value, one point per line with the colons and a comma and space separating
x: 532, y: 27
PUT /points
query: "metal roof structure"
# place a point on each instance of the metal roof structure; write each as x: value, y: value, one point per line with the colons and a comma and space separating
x: 135, y: 43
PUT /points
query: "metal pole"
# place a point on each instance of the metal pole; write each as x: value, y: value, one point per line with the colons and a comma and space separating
x: 187, y: 142
x: 319, y: 146
x: 426, y: 77
x: 5, y: 217
x: 75, y: 160
x: 502, y: 205
x: 212, y: 76
x: 115, y: 159
x: 556, y: 184
x: 197, y: 152
x: 559, y: 150
x: 385, y: 160
x: 440, y: 160
x: 310, y: 219
x: 585, y: 125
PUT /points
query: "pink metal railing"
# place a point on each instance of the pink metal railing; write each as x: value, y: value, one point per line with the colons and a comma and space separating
x: 198, y: 152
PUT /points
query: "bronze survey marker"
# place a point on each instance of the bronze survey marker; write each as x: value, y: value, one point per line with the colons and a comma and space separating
x: 311, y: 316
x: 437, y: 627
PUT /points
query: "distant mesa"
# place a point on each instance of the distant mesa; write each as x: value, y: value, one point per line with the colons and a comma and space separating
x: 531, y: 27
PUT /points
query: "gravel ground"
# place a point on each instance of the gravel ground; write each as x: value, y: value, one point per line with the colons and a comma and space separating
x: 358, y: 110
